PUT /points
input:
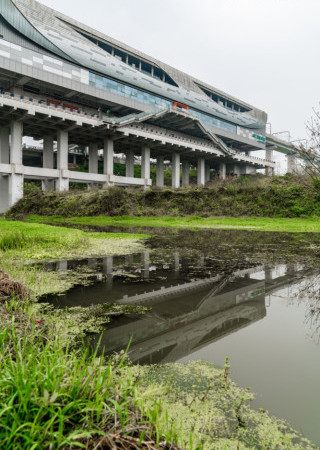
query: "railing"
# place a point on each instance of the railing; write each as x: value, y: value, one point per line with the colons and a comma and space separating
x: 48, y: 102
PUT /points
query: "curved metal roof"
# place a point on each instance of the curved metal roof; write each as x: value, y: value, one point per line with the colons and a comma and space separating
x: 56, y: 33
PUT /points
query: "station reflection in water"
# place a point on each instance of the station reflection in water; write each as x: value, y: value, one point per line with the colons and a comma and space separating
x: 191, y: 305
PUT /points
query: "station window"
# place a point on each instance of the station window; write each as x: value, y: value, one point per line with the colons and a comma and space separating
x: 131, y: 60
x: 105, y: 47
x: 146, y: 68
x: 120, y: 55
x: 134, y: 62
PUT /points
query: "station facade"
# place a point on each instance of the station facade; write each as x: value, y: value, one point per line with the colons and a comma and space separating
x: 69, y: 86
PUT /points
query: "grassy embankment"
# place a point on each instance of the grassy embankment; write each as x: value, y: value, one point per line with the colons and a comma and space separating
x: 276, y: 197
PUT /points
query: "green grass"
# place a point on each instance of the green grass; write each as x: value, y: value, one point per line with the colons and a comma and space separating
x: 54, y: 397
x: 290, y: 225
x: 22, y: 242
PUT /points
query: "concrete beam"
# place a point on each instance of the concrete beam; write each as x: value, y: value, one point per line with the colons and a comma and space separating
x: 160, y: 171
x: 201, y: 172
x: 175, y: 170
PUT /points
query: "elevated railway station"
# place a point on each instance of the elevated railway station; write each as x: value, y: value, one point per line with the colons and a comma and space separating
x: 67, y: 85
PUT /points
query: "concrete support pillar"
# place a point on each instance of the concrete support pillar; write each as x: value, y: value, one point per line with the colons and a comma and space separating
x: 62, y: 183
x: 4, y: 146
x: 176, y: 170
x: 269, y: 157
x: 48, y: 161
x: 93, y: 158
x: 222, y: 171
x: 4, y: 159
x: 207, y: 172
x: 201, y: 172
x: 108, y: 269
x: 145, y: 264
x: 160, y: 171
x: 16, y: 179
x: 291, y: 163
x: 268, y: 274
x: 108, y: 153
x: 130, y: 163
x: 236, y: 170
x: 185, y: 173
x: 145, y: 163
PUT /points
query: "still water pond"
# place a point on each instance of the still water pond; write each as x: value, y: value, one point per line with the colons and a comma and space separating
x: 209, y: 299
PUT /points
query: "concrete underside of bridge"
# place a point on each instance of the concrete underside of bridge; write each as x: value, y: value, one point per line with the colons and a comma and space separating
x: 150, y: 138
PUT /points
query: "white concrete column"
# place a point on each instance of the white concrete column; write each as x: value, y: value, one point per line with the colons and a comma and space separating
x: 160, y: 171
x: 145, y: 163
x: 291, y: 163
x: 108, y: 154
x: 4, y: 145
x: 185, y: 173
x: 145, y: 261
x: 4, y: 159
x: 201, y: 172
x: 48, y: 161
x: 222, y: 171
x: 269, y: 157
x: 207, y: 172
x: 16, y: 179
x: 268, y: 274
x: 93, y: 158
x: 108, y: 269
x: 176, y: 170
x: 130, y: 163
x: 236, y: 170
x: 62, y: 184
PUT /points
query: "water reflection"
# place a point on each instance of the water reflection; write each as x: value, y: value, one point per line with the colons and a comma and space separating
x: 252, y: 297
x: 192, y: 302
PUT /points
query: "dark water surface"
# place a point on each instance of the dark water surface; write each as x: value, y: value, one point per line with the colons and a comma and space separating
x: 252, y: 297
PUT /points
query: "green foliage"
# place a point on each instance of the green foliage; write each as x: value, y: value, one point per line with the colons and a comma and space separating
x: 244, y: 196
x: 54, y: 397
x: 21, y: 242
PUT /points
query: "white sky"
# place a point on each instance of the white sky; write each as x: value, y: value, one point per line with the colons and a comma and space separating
x: 265, y: 52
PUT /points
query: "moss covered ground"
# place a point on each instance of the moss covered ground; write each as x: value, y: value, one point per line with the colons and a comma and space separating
x: 289, y: 225
x: 24, y: 243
